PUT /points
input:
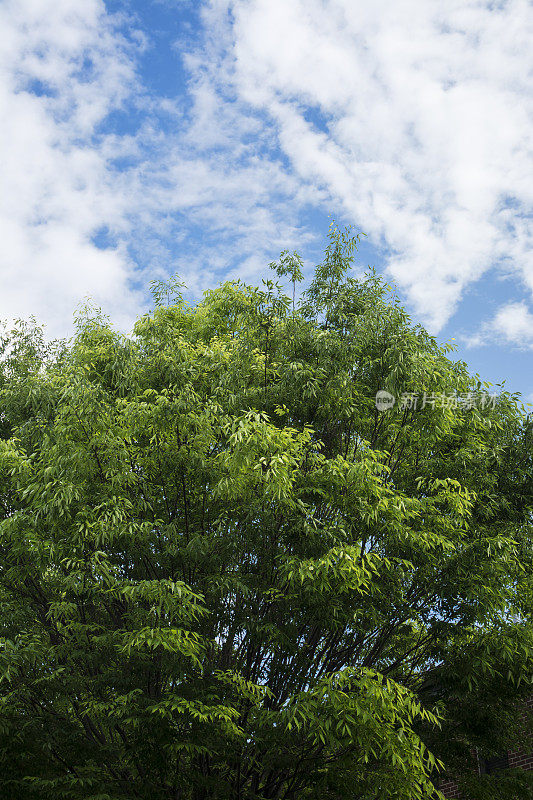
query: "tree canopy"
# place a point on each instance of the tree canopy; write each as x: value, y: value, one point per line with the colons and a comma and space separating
x: 224, y: 573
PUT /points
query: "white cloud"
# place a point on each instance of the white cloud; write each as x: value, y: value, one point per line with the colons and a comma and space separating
x: 514, y: 322
x: 427, y: 130
x: 511, y: 325
x: 63, y: 68
x: 409, y: 115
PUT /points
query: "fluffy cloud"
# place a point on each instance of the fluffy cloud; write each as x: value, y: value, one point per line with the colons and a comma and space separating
x: 63, y: 68
x: 409, y: 116
x: 514, y: 323
x: 89, y: 209
x: 511, y: 325
x: 413, y: 115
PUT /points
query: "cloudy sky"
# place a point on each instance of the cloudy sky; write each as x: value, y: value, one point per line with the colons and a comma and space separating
x: 144, y: 137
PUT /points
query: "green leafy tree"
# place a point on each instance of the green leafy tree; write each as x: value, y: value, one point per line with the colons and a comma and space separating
x: 225, y: 574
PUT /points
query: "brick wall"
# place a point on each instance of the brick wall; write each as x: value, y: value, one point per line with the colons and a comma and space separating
x: 449, y: 789
x: 518, y: 759
x: 523, y: 758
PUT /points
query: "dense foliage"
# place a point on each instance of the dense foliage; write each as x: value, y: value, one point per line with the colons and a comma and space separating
x: 225, y: 574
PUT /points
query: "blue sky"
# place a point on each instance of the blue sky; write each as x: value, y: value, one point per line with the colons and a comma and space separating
x: 144, y: 138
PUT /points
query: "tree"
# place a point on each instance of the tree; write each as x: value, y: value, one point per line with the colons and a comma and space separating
x: 225, y: 574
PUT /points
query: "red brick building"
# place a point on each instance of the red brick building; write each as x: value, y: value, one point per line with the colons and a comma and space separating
x: 513, y: 759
